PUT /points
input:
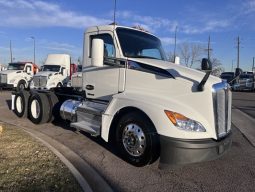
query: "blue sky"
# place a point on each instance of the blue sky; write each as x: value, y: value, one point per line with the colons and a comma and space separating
x: 58, y: 25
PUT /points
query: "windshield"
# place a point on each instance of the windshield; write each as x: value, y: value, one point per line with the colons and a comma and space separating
x: 16, y: 66
x: 54, y: 68
x: 246, y: 76
x: 138, y: 44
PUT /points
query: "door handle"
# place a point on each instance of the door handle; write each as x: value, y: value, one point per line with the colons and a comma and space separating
x: 89, y: 87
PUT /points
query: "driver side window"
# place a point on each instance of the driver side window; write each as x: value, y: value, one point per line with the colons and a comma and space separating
x: 109, y: 49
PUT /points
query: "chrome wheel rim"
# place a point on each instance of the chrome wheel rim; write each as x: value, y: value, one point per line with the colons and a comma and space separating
x: 35, y: 109
x: 133, y: 139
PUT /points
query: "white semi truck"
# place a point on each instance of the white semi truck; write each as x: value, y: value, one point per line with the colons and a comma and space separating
x: 55, y: 72
x: 133, y: 97
x: 18, y: 75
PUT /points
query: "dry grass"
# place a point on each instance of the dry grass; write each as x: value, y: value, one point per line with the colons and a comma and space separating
x: 27, y: 165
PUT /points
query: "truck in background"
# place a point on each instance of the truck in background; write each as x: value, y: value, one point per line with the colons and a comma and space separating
x: 131, y: 96
x: 246, y: 82
x: 18, y: 75
x: 76, y: 80
x: 54, y: 73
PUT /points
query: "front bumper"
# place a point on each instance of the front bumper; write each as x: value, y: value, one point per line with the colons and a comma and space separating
x: 7, y: 86
x: 181, y: 152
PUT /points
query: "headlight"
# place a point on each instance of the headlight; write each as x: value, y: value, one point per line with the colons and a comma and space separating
x: 32, y: 84
x: 12, y: 80
x: 184, y: 123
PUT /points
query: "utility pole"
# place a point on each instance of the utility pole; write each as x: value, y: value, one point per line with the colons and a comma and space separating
x: 253, y: 69
x: 209, y: 49
x: 175, y: 42
x: 238, y: 52
x: 34, y: 47
x: 11, y: 50
x: 232, y: 65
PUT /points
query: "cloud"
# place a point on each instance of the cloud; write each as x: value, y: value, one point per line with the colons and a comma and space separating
x: 57, y: 46
x: 248, y: 6
x: 167, y: 41
x: 151, y: 23
x: 208, y: 26
x: 28, y: 13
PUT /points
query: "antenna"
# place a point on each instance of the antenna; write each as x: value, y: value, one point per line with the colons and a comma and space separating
x: 114, y: 14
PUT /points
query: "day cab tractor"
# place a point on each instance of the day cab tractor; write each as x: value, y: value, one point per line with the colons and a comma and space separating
x: 18, y: 75
x: 132, y: 97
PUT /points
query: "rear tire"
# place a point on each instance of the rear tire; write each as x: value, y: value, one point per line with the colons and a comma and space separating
x: 21, y: 103
x: 54, y: 106
x: 137, y: 139
x: 39, y: 108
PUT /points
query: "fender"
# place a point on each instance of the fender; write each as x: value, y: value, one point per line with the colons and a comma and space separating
x: 154, y: 108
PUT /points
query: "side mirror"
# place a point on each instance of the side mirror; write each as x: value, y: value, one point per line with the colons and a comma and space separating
x: 63, y: 71
x: 238, y: 72
x: 97, y: 53
x: 206, y: 65
x: 28, y: 70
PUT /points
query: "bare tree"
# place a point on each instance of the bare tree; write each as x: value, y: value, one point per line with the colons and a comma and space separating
x: 170, y: 56
x: 190, y: 53
x: 196, y: 51
x: 185, y: 53
x: 217, y: 67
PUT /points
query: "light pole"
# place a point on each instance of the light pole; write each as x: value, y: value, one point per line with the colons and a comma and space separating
x: 34, y: 47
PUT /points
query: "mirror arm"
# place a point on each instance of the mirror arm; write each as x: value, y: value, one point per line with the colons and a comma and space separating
x: 200, y: 87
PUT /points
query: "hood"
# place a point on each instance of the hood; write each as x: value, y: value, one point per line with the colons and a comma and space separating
x: 179, y: 71
x: 44, y: 73
x: 6, y: 72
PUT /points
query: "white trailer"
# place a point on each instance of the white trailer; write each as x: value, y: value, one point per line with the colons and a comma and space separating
x: 55, y: 72
x: 133, y: 97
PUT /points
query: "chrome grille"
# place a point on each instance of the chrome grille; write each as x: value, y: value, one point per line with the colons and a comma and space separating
x: 222, y: 101
x: 3, y: 78
x: 40, y: 81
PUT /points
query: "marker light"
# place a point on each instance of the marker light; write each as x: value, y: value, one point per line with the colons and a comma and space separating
x: 184, y: 123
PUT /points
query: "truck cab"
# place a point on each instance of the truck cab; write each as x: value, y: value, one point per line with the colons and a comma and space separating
x: 18, y: 75
x: 54, y: 73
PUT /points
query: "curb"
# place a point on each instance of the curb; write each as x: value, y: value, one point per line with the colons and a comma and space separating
x: 244, y: 124
x: 86, y: 176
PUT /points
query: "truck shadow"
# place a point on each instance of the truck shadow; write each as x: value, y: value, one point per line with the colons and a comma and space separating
x: 108, y: 146
x: 9, y: 103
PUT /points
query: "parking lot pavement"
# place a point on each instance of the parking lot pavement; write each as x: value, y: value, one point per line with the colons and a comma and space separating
x: 235, y: 171
x: 245, y: 101
x: 245, y: 123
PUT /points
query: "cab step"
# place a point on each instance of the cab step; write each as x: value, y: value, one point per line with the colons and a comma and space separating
x: 93, y: 129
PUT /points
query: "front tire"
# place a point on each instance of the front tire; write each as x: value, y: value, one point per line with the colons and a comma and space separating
x: 21, y: 85
x: 137, y: 139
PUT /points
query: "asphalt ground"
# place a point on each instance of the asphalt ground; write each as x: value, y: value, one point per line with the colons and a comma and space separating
x: 235, y: 171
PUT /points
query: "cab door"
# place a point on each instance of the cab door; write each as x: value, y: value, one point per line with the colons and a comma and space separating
x: 101, y: 83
